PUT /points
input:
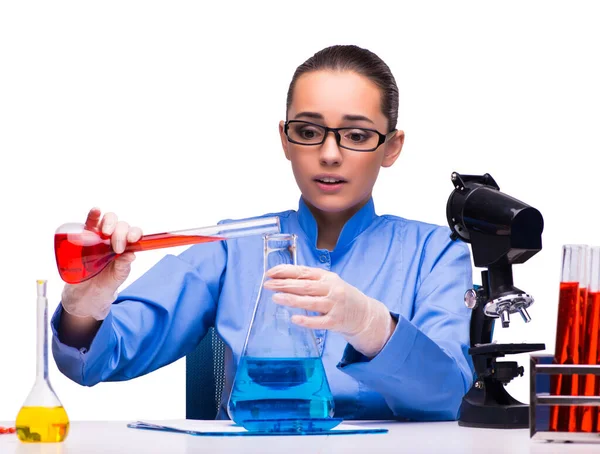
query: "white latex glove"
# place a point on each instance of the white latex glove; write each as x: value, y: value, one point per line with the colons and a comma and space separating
x: 93, y: 298
x: 365, y: 323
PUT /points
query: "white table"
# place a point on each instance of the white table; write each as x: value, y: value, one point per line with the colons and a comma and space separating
x: 90, y: 437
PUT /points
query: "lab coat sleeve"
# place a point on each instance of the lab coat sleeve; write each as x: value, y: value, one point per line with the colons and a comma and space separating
x: 424, y: 370
x: 156, y: 320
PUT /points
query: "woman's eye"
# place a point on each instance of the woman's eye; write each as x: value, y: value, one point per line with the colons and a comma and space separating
x: 308, y: 133
x: 357, y: 135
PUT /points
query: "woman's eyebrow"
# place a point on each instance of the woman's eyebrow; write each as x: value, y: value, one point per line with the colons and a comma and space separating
x: 314, y: 115
x: 358, y: 118
x: 318, y: 116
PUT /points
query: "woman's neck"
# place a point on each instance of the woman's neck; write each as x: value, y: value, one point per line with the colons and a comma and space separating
x: 330, y: 225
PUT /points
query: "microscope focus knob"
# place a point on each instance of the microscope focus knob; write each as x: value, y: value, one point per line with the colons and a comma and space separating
x: 471, y: 298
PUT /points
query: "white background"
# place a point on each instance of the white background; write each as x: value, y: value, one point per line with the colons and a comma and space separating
x: 167, y: 114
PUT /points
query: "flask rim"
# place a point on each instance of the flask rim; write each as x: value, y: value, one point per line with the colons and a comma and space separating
x: 280, y: 236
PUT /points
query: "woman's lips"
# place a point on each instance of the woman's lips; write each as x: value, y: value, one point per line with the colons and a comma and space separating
x: 329, y: 183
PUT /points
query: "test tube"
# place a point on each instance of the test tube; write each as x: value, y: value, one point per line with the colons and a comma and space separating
x: 589, y: 340
x: 569, y: 329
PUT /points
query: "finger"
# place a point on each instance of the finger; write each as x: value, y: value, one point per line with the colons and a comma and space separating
x: 118, y: 239
x: 125, y: 259
x: 295, y: 272
x: 108, y: 224
x: 122, y: 266
x: 298, y: 286
x: 319, y: 304
x: 91, y: 222
x: 317, y: 322
x: 134, y: 234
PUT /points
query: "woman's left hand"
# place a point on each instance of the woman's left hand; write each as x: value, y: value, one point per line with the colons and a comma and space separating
x: 365, y: 323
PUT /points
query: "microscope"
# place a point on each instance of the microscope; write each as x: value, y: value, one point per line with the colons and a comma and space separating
x: 502, y: 231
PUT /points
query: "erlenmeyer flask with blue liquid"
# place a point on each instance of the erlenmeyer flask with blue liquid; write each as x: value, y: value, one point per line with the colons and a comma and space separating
x: 280, y: 384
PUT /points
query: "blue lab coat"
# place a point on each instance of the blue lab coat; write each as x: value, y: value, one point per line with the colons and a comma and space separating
x: 412, y: 267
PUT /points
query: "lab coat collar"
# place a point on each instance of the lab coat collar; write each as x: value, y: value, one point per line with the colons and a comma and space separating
x: 357, y: 224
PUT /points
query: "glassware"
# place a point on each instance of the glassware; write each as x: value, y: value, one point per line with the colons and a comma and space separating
x: 42, y: 417
x: 280, y: 384
x: 590, y: 342
x: 82, y: 253
x: 569, y: 329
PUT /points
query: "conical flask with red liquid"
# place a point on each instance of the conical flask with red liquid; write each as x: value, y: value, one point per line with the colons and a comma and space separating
x: 280, y: 384
x: 82, y: 253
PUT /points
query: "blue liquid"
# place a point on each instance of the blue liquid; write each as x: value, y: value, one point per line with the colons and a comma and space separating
x: 268, y: 390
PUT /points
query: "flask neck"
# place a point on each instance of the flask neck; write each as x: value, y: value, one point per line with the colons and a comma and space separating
x: 280, y: 249
x: 42, y: 340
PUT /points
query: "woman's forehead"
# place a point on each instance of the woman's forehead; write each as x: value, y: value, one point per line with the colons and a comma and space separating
x: 334, y: 94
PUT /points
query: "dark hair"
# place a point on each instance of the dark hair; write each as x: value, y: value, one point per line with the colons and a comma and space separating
x: 361, y: 61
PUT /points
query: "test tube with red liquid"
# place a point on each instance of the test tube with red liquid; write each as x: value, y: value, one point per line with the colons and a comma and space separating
x: 82, y: 253
x: 589, y: 341
x: 569, y: 332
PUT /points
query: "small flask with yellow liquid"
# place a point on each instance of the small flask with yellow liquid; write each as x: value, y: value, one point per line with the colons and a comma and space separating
x: 42, y: 418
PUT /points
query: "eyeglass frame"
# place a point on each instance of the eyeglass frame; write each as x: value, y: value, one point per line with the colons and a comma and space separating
x: 338, y: 138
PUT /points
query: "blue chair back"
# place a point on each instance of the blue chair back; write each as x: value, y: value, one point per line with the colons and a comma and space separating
x: 205, y: 377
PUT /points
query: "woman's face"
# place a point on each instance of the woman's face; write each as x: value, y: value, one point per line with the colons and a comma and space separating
x: 334, y: 179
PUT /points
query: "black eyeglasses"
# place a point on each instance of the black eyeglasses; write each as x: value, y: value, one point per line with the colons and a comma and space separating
x: 356, y: 139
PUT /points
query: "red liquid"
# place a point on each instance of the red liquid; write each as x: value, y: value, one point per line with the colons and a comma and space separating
x: 567, y: 351
x: 589, y: 415
x: 80, y: 256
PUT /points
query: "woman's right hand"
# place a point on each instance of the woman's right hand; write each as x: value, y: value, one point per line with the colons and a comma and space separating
x: 93, y: 297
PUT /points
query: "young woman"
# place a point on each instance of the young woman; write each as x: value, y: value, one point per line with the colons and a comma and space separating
x: 388, y: 291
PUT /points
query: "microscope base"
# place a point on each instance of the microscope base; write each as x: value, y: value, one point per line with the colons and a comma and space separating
x: 488, y: 404
x: 492, y: 407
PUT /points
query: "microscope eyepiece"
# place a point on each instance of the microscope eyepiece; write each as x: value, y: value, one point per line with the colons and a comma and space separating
x: 498, y: 226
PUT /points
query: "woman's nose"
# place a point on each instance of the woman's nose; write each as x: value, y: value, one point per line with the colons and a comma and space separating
x: 330, y: 151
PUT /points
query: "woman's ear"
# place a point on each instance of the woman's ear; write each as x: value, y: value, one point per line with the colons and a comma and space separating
x: 393, y: 147
x: 284, y: 141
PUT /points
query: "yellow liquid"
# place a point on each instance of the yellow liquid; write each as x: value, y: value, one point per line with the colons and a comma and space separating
x: 42, y: 424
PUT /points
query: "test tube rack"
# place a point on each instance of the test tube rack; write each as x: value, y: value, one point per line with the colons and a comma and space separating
x: 541, y: 399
